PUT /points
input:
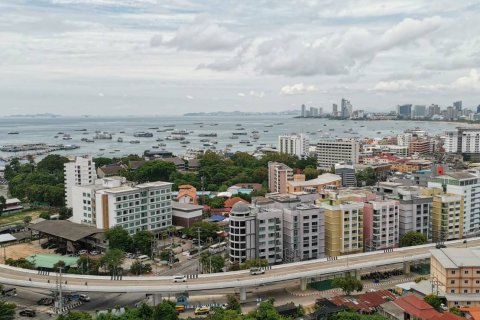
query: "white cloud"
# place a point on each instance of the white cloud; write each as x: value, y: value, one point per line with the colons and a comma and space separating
x: 392, y: 86
x: 471, y: 82
x: 241, y: 94
x: 201, y: 35
x: 189, y: 97
x: 298, y: 88
x: 256, y: 94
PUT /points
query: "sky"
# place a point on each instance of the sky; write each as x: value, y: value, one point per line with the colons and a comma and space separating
x: 167, y: 57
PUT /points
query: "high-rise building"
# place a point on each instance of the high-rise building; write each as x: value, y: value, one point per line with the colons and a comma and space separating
x: 478, y: 108
x: 332, y: 151
x: 404, y: 111
x: 457, y: 105
x: 419, y: 112
x: 467, y: 185
x: 447, y: 217
x: 381, y: 224
x: 335, y: 110
x: 451, y: 114
x: 462, y: 140
x: 295, y: 144
x: 346, y: 109
x: 242, y: 233
x: 79, y: 172
x: 278, y: 175
x: 343, y: 227
x: 347, y: 172
x: 415, y: 211
x: 303, y: 112
x: 115, y: 202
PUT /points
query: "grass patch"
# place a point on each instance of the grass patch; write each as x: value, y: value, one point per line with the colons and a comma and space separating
x: 18, y: 217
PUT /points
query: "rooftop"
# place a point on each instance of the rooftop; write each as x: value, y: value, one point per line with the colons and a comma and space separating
x: 322, y: 179
x: 185, y: 206
x: 416, y: 307
x: 65, y: 229
x: 457, y: 257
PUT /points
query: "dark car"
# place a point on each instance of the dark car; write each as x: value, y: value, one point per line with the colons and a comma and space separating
x: 440, y: 246
x: 45, y: 301
x: 28, y: 313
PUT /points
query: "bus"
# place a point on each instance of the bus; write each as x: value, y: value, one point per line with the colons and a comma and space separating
x: 218, y: 247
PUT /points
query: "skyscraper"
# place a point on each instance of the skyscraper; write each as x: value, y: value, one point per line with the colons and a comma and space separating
x: 80, y: 172
x: 457, y: 105
x: 404, y: 111
x: 335, y: 110
x: 346, y: 108
x: 303, y: 111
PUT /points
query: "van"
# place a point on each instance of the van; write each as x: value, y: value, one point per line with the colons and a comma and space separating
x: 179, y: 278
x: 202, y: 311
x: 143, y: 257
x: 9, y: 292
x: 256, y: 270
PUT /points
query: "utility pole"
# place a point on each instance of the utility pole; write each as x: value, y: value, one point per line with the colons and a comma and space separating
x: 202, y: 179
x: 59, y: 289
x: 199, y: 246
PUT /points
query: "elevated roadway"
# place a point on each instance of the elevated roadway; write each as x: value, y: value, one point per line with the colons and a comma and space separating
x: 228, y: 280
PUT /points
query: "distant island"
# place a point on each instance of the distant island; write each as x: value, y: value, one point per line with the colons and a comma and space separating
x: 240, y: 113
x: 38, y: 115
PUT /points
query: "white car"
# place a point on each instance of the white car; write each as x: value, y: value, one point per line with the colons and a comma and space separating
x: 84, y: 297
x: 82, y: 252
x: 256, y: 270
x: 180, y: 278
x: 94, y: 253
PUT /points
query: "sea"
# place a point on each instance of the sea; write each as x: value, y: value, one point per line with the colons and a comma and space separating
x: 50, y: 130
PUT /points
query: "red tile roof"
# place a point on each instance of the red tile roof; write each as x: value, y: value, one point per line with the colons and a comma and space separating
x: 230, y: 202
x: 449, y: 316
x: 365, y: 302
x: 417, y: 307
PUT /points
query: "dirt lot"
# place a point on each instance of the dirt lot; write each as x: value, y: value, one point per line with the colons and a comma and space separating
x: 23, y: 250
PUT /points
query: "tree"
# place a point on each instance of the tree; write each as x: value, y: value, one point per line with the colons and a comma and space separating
x: 233, y: 304
x: 65, y: 213
x: 102, y: 161
x: 139, y: 268
x: 348, y: 284
x: 412, y: 238
x: 27, y: 220
x: 45, y: 215
x: 433, y: 300
x: 87, y: 265
x: 207, y: 230
x: 311, y: 173
x: 221, y: 314
x: 20, y: 263
x: 254, y: 263
x: 368, y: 176
x: 265, y: 311
x: 59, y: 264
x: 52, y: 163
x: 351, y: 315
x: 142, y: 241
x: 165, y: 311
x: 7, y: 310
x: 112, y: 260
x: 212, y: 263
x: 3, y: 204
x: 119, y: 238
x: 215, y: 202
x: 154, y: 171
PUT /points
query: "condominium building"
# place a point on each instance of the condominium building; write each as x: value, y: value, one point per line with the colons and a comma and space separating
x: 332, y: 151
x: 278, y: 176
x: 255, y: 233
x: 467, y: 185
x: 295, y: 144
x: 447, y: 217
x: 381, y: 224
x: 462, y: 140
x: 347, y: 172
x: 79, y: 172
x: 115, y: 202
x: 299, y: 184
x: 414, y: 211
x: 343, y: 227
x: 456, y: 272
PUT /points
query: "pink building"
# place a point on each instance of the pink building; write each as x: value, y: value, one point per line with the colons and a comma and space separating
x: 278, y: 175
x: 381, y: 224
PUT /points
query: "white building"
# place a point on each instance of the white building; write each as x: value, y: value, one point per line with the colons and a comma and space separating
x: 278, y: 175
x: 114, y: 202
x: 332, y: 151
x: 462, y: 140
x: 80, y: 172
x: 381, y: 224
x: 295, y: 144
x: 415, y: 211
x: 242, y: 236
x: 466, y: 184
x: 404, y: 139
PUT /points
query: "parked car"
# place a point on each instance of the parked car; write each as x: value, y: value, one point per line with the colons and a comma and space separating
x: 180, y: 308
x: 94, y: 253
x: 47, y: 301
x: 84, y: 297
x: 28, y: 313
x: 256, y: 270
x: 82, y: 252
x: 440, y: 246
x: 202, y: 310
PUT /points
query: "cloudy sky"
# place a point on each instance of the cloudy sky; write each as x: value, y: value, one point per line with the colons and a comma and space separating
x: 123, y: 57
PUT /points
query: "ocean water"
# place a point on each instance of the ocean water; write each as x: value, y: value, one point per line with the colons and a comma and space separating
x: 43, y: 130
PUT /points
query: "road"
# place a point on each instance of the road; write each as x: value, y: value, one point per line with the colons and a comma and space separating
x: 237, y: 279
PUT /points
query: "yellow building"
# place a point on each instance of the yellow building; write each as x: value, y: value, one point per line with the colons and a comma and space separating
x: 343, y: 227
x: 299, y: 184
x: 447, y: 217
x: 456, y: 271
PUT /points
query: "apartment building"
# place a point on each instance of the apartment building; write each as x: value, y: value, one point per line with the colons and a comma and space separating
x: 381, y: 224
x: 79, y: 172
x: 332, y: 151
x: 114, y: 202
x: 343, y: 227
x: 414, y: 211
x: 295, y: 144
x: 447, y: 217
x: 347, y: 173
x: 278, y: 176
x: 462, y: 140
x: 255, y: 233
x: 456, y: 271
x: 467, y: 185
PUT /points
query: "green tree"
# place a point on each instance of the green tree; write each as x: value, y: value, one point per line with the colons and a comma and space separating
x: 348, y: 284
x: 351, y: 315
x: 215, y: 202
x: 87, y: 265
x: 27, y: 220
x: 7, y: 310
x: 139, y: 268
x: 412, y: 238
x: 3, y: 204
x: 233, y: 304
x: 368, y: 176
x: 75, y: 315
x: 20, y: 263
x: 59, y: 264
x: 254, y: 263
x: 212, y: 263
x: 308, y: 162
x: 112, y: 260
x: 142, y: 241
x: 102, y: 161
x: 311, y: 173
x: 433, y: 300
x: 64, y: 213
x: 207, y: 230
x: 265, y: 311
x: 119, y: 238
x: 165, y: 311
x: 221, y: 314
x: 156, y: 170
x: 52, y: 163
x: 45, y: 215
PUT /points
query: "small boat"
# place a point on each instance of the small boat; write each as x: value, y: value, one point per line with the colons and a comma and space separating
x: 67, y: 137
x: 102, y: 135
x: 117, y: 150
x: 268, y: 125
x: 278, y: 123
x: 101, y: 149
x: 162, y: 144
x: 142, y: 134
x: 120, y: 139
x: 229, y: 145
x: 122, y: 131
x: 239, y: 128
x: 265, y: 130
x: 55, y: 136
x: 184, y: 142
x: 213, y: 134
x: 153, y: 128
x: 155, y: 147
x: 159, y: 140
x: 134, y: 141
x: 234, y: 137
x: 57, y: 133
x: 175, y: 137
x: 80, y: 130
x: 249, y: 145
x: 208, y: 144
x: 169, y: 126
x: 204, y: 140
x: 238, y: 125
x: 244, y: 141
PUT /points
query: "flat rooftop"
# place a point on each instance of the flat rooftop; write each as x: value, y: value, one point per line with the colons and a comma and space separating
x: 452, y: 258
